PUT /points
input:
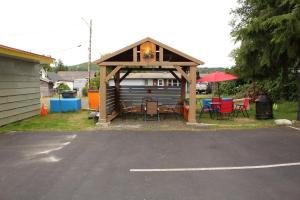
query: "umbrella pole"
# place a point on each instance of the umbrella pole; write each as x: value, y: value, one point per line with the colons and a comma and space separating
x: 219, y: 90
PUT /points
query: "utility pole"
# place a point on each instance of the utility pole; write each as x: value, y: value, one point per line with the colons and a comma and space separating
x: 90, y: 50
x: 90, y: 54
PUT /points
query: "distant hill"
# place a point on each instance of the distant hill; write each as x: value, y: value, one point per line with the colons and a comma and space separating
x: 83, y: 67
x: 210, y: 70
x: 94, y: 67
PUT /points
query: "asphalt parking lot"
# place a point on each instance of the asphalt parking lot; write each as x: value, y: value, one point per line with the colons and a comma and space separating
x: 250, y: 164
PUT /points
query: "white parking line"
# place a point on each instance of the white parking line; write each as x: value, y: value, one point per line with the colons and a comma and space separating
x: 66, y: 143
x: 294, y: 128
x: 49, y: 150
x: 71, y: 137
x: 217, y: 168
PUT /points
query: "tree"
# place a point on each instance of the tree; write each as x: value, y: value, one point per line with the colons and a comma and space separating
x: 47, y: 67
x: 269, y: 36
x: 59, y: 66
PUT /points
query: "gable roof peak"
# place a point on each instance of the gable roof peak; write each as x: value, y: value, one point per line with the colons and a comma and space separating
x: 148, y: 39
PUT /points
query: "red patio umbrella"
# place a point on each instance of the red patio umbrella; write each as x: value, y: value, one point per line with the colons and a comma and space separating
x: 217, y: 77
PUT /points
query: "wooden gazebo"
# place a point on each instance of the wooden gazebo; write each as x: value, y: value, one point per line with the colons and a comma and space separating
x: 147, y: 54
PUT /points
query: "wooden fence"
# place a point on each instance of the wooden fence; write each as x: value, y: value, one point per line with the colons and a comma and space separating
x: 110, y: 99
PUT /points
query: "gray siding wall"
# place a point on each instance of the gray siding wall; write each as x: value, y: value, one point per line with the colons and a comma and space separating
x: 19, y: 90
x: 46, y: 89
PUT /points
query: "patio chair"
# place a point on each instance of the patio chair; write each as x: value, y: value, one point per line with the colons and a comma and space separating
x: 144, y: 101
x: 225, y: 109
x: 151, y: 109
x: 215, y: 106
x: 242, y: 108
x: 206, y: 107
x: 126, y: 109
x: 172, y: 109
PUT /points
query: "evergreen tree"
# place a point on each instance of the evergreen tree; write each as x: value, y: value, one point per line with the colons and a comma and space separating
x: 269, y: 35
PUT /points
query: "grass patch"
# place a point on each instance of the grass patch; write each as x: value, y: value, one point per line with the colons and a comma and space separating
x: 78, y: 121
x: 285, y: 110
x: 53, y: 122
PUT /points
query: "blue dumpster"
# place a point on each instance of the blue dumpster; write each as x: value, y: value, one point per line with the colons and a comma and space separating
x: 65, y: 105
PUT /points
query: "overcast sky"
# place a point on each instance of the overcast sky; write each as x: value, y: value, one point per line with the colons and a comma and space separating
x: 199, y: 28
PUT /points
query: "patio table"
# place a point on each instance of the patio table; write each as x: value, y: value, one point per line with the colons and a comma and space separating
x: 227, y: 99
x: 215, y: 104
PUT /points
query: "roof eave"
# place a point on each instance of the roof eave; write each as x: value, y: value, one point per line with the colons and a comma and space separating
x: 17, y: 53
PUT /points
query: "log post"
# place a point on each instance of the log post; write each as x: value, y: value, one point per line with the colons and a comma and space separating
x: 102, y: 102
x: 161, y: 55
x: 192, y: 105
x: 134, y: 54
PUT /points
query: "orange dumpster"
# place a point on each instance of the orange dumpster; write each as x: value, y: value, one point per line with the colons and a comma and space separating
x: 93, y: 96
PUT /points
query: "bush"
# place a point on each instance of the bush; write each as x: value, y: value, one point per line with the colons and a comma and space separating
x: 63, y: 87
x: 228, y: 88
x: 271, y: 87
x: 84, y: 91
x: 95, y: 83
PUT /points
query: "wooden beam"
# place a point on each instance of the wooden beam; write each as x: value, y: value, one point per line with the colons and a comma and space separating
x: 166, y: 63
x: 102, y: 102
x: 183, y: 73
x: 175, y: 75
x: 112, y: 116
x: 134, y: 54
x: 139, y: 69
x: 112, y: 73
x: 125, y: 75
x: 192, y: 96
x: 161, y: 54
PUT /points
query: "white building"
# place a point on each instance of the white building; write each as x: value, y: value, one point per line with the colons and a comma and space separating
x: 73, y: 79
